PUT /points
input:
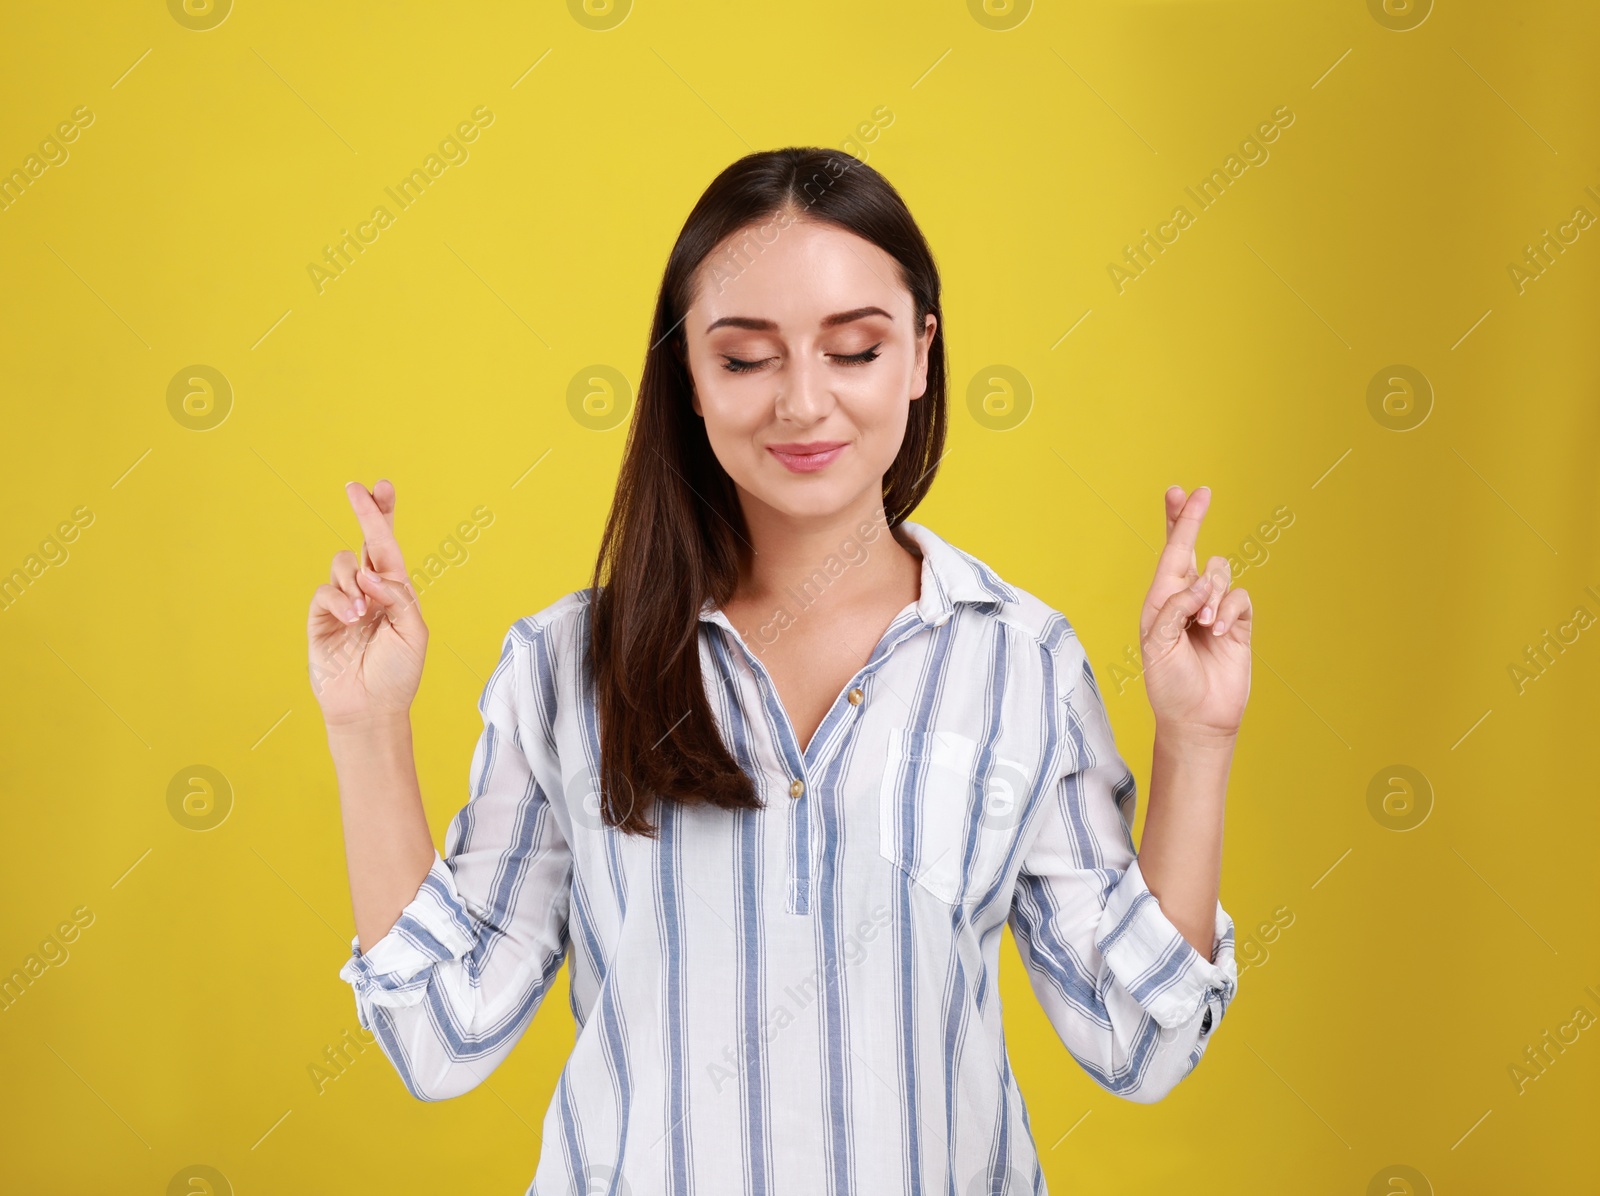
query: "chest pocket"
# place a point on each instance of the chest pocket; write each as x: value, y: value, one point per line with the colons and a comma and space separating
x: 945, y: 825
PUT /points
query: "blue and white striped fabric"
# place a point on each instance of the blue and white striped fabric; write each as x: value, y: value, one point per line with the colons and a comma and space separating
x: 802, y: 999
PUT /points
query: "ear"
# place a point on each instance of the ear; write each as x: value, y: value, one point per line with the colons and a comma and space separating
x: 919, y: 375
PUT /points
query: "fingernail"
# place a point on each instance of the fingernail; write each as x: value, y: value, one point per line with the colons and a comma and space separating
x: 1217, y: 630
x: 350, y: 615
x: 361, y: 605
x: 1205, y: 614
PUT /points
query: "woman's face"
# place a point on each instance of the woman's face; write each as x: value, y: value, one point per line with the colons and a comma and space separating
x: 801, y: 344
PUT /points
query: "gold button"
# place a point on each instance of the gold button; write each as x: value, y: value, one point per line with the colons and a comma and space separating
x: 796, y: 788
x: 855, y: 696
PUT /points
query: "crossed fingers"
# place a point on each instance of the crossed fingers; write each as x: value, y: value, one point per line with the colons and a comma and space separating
x: 380, y: 551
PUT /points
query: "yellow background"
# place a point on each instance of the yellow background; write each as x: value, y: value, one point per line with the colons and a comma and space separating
x: 1419, y: 966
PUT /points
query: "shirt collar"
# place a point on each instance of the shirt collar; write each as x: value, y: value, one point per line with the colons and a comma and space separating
x: 950, y: 577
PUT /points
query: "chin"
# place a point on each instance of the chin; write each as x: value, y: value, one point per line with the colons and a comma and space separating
x: 817, y: 505
x: 805, y: 498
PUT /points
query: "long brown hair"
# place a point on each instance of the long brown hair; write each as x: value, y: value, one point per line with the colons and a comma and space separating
x: 676, y: 534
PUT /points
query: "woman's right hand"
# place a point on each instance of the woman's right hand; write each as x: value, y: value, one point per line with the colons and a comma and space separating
x: 366, y: 634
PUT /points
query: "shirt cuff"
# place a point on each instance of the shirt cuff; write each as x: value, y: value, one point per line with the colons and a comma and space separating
x: 434, y: 927
x: 1156, y: 964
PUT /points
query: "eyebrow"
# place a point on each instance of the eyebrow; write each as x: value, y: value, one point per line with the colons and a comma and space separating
x: 833, y: 321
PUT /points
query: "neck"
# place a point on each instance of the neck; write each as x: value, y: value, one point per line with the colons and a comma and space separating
x: 839, y: 560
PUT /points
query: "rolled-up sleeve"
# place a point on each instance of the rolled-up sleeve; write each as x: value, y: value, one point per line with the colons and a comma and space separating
x: 453, y: 985
x: 1130, y: 997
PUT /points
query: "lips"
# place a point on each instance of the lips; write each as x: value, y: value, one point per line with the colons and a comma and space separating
x: 808, y: 458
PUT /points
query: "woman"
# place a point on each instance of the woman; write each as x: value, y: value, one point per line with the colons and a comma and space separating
x: 775, y: 782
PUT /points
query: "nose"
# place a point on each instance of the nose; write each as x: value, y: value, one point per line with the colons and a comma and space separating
x: 803, y: 390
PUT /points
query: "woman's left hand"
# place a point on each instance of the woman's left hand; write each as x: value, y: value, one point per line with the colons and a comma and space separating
x: 1195, y: 642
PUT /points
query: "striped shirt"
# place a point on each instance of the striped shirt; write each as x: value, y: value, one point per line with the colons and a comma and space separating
x: 802, y: 998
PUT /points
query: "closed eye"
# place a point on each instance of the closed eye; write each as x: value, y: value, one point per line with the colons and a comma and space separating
x: 736, y: 366
x: 862, y: 357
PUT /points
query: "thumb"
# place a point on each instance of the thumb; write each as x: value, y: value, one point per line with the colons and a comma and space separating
x: 1174, y: 617
x: 398, y: 601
